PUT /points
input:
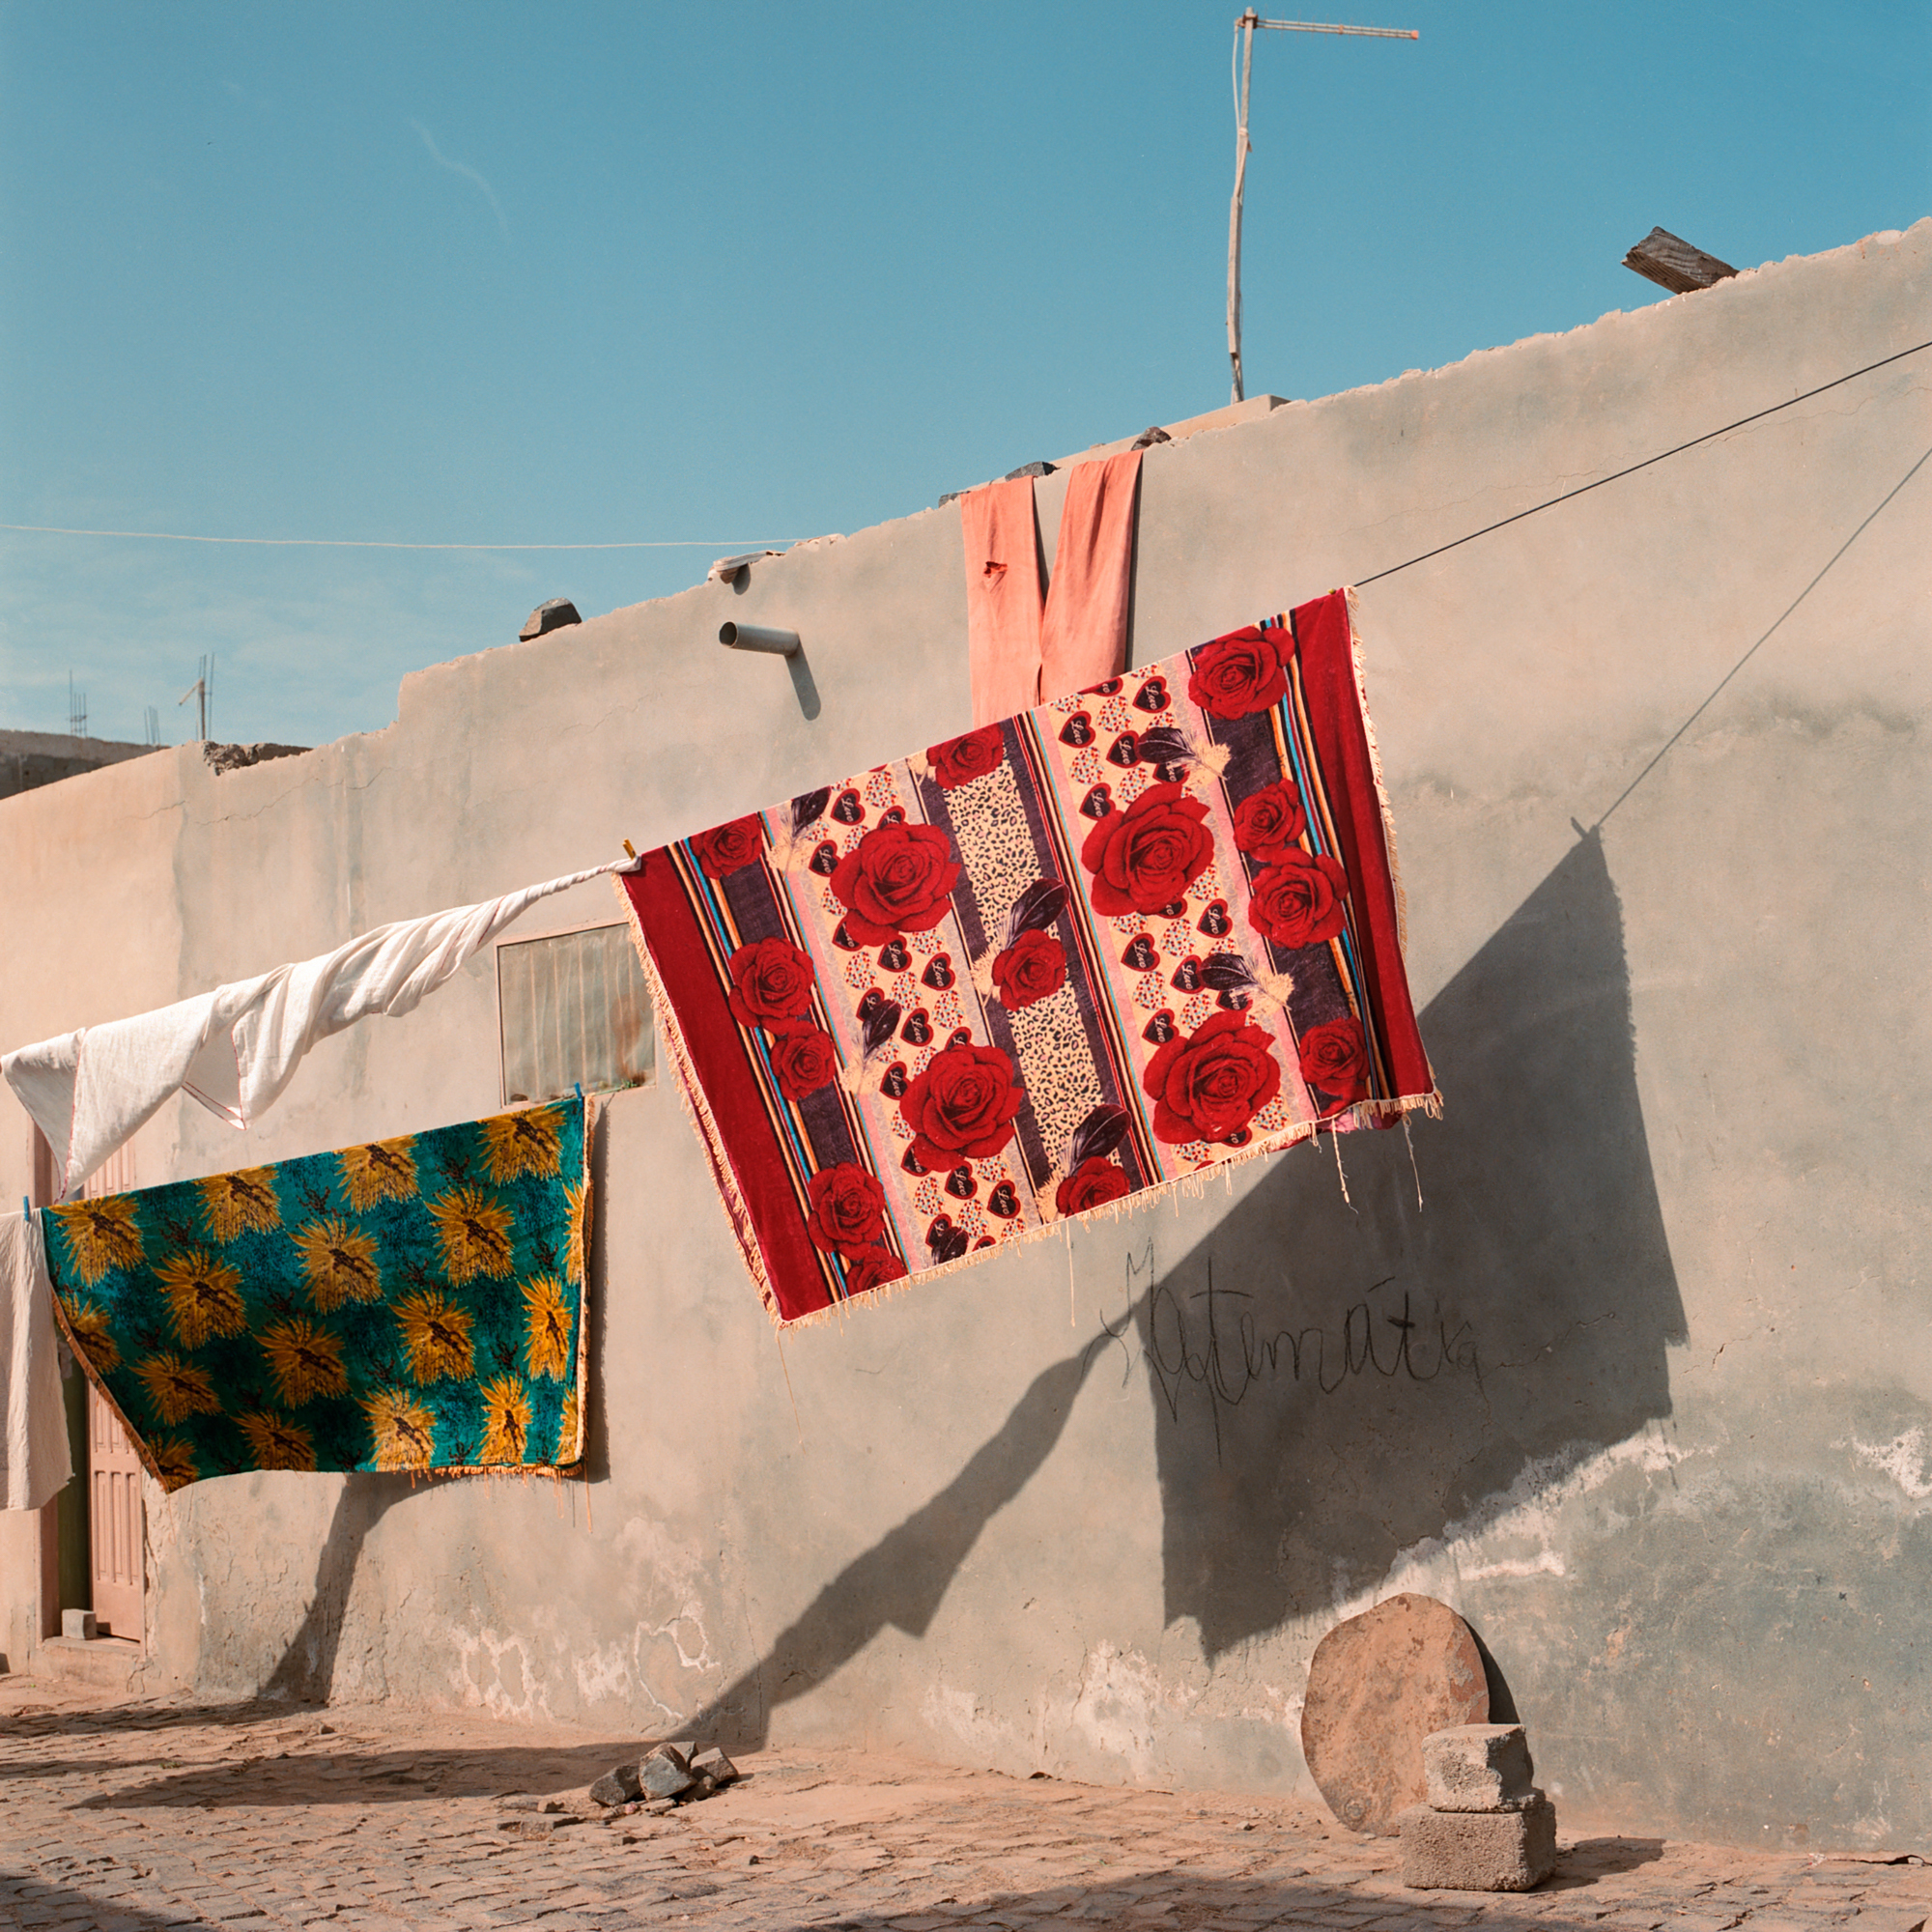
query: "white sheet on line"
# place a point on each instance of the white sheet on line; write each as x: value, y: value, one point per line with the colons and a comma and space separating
x: 35, y: 1463
x: 236, y: 1049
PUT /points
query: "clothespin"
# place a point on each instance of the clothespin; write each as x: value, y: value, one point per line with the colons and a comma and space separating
x: 579, y: 1093
x: 630, y: 851
x: 26, y: 1209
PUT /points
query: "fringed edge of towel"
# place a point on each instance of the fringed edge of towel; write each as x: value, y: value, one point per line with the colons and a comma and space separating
x: 697, y: 1110
x: 1356, y: 655
x: 577, y: 1467
x: 1363, y: 1114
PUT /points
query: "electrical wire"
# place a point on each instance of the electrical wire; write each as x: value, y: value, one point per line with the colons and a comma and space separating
x: 1615, y: 476
x: 753, y: 543
x: 362, y: 543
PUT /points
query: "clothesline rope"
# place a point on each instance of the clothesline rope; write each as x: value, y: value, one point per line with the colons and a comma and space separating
x: 1752, y: 652
x: 1583, y: 489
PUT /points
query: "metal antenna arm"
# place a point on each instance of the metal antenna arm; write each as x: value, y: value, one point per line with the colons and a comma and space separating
x: 1315, y: 27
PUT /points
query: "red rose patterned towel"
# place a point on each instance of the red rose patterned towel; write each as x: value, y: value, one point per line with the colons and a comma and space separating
x: 1068, y: 958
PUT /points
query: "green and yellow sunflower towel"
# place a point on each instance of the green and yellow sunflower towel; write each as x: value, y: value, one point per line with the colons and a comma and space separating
x: 413, y: 1304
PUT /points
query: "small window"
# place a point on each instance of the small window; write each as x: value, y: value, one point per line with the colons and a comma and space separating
x: 575, y: 1009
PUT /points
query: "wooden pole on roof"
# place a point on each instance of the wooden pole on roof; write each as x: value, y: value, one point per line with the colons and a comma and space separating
x: 1244, y: 30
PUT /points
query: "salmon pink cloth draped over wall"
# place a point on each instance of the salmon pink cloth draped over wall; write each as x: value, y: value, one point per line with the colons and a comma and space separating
x: 1134, y: 933
x: 1023, y: 647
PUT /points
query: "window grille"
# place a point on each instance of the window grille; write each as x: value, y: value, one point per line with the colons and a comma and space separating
x: 574, y: 1009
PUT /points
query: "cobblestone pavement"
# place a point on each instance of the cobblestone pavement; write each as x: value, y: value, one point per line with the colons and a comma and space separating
x: 144, y: 1815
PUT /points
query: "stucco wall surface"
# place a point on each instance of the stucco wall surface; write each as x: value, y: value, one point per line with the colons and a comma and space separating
x: 1628, y: 1360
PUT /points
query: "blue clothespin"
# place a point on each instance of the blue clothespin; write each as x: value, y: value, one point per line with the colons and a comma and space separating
x: 579, y: 1090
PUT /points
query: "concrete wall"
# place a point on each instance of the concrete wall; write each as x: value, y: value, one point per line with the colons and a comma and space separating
x: 1640, y: 1382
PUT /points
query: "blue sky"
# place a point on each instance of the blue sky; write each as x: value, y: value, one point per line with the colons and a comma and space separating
x: 604, y: 274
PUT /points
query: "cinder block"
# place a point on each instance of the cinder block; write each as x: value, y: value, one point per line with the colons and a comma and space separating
x: 1479, y: 1851
x: 1478, y: 1768
x: 79, y: 1624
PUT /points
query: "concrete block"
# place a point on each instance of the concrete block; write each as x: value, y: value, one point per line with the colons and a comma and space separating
x: 1479, y: 1851
x: 104, y: 1662
x: 79, y: 1624
x: 1478, y: 1768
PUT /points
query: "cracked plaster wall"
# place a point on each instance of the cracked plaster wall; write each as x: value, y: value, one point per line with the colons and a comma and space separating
x: 1642, y: 1386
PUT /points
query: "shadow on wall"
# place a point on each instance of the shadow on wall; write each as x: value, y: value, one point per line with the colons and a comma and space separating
x: 1336, y: 1380
x: 903, y: 1578
x: 306, y: 1669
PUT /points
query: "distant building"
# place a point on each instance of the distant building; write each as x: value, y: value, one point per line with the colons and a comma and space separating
x: 31, y: 758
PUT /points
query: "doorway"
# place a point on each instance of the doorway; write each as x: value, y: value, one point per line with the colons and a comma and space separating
x: 93, y: 1534
x: 116, y: 1553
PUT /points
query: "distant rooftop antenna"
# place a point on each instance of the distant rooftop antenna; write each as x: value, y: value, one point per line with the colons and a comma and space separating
x: 1245, y: 35
x: 202, y: 689
x: 76, y: 709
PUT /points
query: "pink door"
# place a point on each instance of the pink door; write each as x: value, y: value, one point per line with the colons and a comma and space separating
x: 114, y: 1521
x: 114, y: 1515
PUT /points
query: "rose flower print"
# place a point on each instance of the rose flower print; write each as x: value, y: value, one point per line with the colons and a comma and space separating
x: 960, y: 760
x: 1241, y: 673
x: 1268, y: 823
x: 962, y: 1107
x: 771, y: 982
x: 1033, y: 967
x: 1299, y: 900
x: 729, y: 848
x: 1147, y: 857
x: 1335, y: 1060
x: 804, y: 1059
x: 898, y: 879
x: 1211, y: 1083
x: 847, y: 1207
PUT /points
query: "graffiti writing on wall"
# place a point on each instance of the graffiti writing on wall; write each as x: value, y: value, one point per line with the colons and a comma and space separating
x: 1217, y: 1340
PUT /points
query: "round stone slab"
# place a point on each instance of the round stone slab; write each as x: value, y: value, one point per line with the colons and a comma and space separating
x: 1378, y: 1684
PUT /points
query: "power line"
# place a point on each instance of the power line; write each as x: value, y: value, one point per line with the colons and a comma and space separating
x: 1585, y: 489
x: 753, y: 543
x: 358, y: 543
